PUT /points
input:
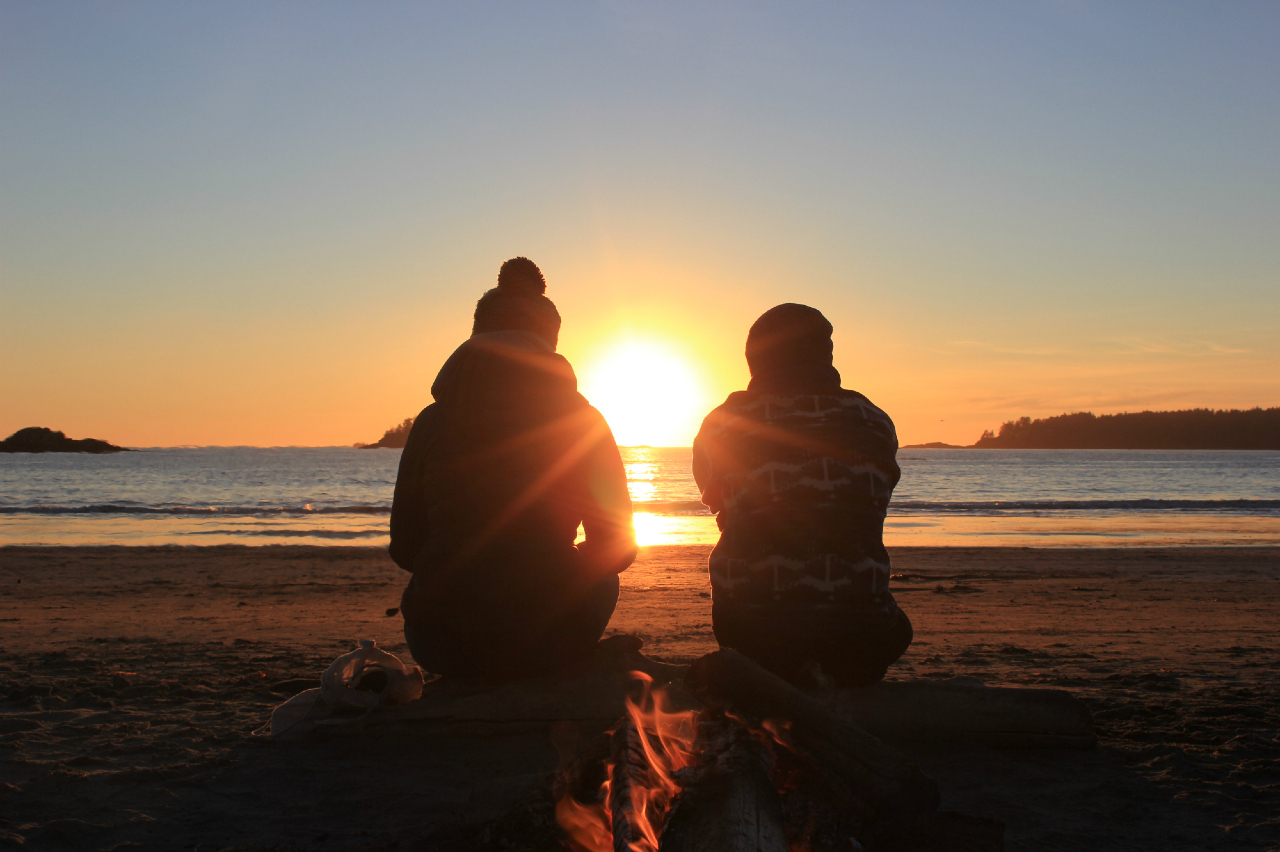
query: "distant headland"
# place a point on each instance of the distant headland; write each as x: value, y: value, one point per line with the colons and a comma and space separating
x: 394, y: 438
x: 1194, y: 429
x: 37, y: 439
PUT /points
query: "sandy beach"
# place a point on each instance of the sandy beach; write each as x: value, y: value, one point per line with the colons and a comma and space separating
x: 131, y: 678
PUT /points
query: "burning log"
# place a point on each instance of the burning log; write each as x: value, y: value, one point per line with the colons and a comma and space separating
x: 629, y: 792
x: 732, y: 805
x: 648, y: 746
x: 887, y: 783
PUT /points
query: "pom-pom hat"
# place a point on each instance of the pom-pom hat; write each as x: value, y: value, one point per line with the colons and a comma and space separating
x: 518, y: 303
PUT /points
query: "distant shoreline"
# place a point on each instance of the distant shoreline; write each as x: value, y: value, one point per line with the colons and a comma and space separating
x: 1192, y: 429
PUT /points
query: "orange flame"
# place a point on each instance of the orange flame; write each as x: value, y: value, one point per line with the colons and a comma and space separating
x: 587, y: 827
x: 667, y: 743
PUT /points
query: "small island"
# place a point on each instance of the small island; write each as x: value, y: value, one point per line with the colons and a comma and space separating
x: 394, y: 438
x: 933, y: 445
x: 37, y: 439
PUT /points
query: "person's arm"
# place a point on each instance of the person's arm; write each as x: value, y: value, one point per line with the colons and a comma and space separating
x: 409, y: 523
x: 704, y: 472
x: 610, y: 538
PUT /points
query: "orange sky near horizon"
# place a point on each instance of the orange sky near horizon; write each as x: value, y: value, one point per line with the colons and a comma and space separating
x: 332, y: 378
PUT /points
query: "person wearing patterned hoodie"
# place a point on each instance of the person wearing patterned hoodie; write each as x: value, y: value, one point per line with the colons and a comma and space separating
x: 799, y: 472
x: 495, y: 478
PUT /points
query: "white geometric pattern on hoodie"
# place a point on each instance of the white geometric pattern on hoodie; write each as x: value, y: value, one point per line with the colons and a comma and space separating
x: 800, y: 484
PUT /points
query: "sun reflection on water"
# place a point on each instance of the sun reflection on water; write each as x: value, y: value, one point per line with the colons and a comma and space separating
x: 640, y: 481
x: 674, y: 529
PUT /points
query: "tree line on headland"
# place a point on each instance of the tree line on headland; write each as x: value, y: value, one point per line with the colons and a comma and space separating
x: 1194, y: 429
x: 394, y: 438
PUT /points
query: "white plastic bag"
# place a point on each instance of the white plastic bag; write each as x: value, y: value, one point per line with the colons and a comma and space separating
x: 369, y: 677
x: 353, y: 685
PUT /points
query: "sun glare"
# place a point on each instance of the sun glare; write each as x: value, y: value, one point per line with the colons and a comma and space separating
x: 648, y: 393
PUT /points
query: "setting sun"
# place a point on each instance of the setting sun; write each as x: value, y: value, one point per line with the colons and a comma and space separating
x: 647, y: 392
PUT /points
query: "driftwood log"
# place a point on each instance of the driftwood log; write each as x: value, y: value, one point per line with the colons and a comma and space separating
x: 890, y: 785
x: 730, y: 805
x: 947, y: 710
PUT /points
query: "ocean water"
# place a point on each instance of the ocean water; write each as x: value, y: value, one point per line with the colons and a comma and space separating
x: 339, y: 495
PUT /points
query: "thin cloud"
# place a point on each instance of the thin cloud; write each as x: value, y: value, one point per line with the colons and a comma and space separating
x: 1146, y: 346
x: 998, y: 349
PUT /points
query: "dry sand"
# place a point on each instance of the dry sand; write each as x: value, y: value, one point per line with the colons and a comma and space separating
x: 130, y: 679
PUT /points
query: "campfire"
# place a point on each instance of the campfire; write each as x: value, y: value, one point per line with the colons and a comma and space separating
x: 737, y: 759
x: 647, y: 750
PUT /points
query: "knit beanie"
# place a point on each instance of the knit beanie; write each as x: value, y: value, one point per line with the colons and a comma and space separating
x: 518, y: 303
x: 789, y: 348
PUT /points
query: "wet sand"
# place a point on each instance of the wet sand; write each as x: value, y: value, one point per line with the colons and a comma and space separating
x: 130, y: 678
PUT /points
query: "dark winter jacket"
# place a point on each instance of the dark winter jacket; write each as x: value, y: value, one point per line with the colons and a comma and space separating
x: 495, y: 479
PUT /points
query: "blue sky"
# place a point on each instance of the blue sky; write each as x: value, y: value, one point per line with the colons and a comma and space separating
x: 268, y: 222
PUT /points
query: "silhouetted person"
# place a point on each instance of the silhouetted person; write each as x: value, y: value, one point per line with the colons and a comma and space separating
x: 799, y: 472
x: 495, y: 478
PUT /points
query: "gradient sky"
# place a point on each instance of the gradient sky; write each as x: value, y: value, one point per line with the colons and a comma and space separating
x: 268, y: 223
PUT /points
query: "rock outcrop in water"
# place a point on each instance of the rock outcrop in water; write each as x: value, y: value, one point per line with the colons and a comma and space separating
x: 1195, y: 429
x: 394, y: 438
x: 37, y: 439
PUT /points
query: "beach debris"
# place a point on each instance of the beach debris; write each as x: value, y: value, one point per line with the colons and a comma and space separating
x: 353, y: 685
x: 293, y: 685
x: 956, y: 589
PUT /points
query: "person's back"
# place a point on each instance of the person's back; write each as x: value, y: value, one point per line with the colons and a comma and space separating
x: 800, y: 472
x: 494, y: 481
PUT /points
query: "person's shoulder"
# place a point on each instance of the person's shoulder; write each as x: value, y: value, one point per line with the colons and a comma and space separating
x: 425, y: 417
x: 714, y: 423
x: 859, y: 409
x: 738, y: 401
x: 587, y: 417
x: 422, y: 424
x: 853, y: 399
x: 735, y: 404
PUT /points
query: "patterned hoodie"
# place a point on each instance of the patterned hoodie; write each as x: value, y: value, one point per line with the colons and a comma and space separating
x: 799, y: 472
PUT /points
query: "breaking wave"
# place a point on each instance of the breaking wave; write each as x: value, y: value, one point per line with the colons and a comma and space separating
x: 973, y: 507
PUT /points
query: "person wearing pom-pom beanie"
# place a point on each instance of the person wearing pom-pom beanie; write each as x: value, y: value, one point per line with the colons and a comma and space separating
x: 799, y: 472
x: 518, y: 303
x: 494, y: 480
